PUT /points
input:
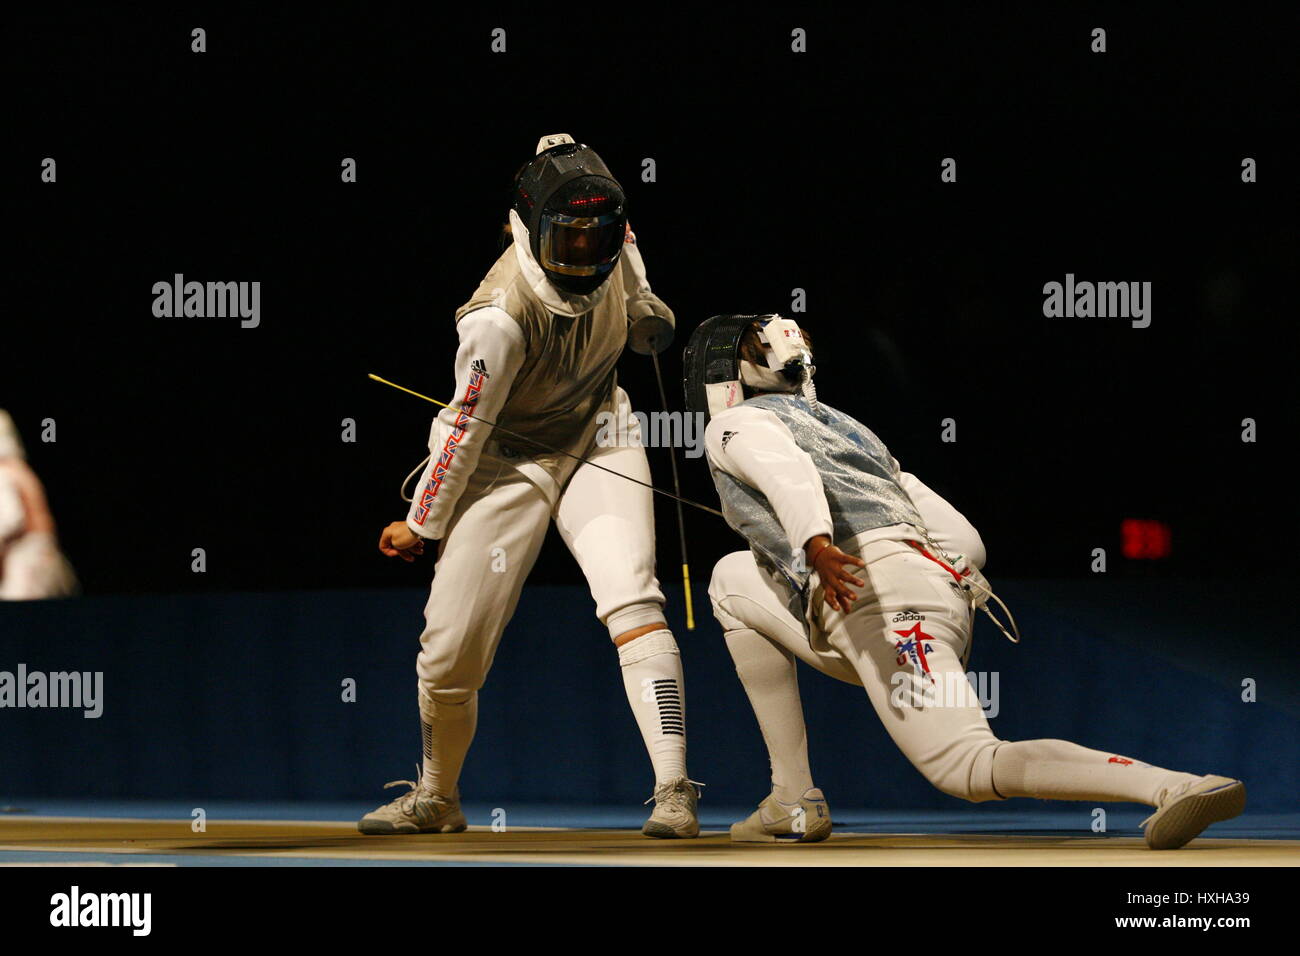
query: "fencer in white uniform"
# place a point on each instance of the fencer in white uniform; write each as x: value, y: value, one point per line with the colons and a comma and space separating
x: 858, y: 569
x: 31, y: 565
x: 538, y: 342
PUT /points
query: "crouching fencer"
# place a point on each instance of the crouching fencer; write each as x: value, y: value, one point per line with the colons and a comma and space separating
x: 826, y: 510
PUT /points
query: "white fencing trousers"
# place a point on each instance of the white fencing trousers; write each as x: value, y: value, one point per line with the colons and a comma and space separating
x: 493, y: 539
x: 903, y: 642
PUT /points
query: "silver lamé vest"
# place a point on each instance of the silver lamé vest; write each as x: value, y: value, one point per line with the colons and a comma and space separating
x: 857, y: 473
x: 567, y: 378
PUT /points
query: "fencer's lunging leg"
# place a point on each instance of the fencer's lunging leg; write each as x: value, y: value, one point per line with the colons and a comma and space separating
x: 768, y: 674
x: 905, y: 637
x: 765, y: 639
x: 1060, y: 770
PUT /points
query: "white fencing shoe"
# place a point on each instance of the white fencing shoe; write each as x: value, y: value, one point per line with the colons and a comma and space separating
x: 808, y: 821
x: 676, y: 810
x: 1187, y: 810
x: 415, y: 812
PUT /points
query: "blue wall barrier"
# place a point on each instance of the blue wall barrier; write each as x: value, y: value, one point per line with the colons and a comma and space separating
x: 239, y: 696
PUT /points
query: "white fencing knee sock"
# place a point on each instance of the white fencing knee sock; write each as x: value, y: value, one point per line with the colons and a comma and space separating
x: 447, y: 730
x: 1060, y: 770
x: 768, y: 672
x: 652, y: 677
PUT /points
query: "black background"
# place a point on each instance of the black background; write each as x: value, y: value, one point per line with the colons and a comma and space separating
x: 775, y: 171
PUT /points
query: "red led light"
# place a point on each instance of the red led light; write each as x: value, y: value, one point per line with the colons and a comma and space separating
x: 1145, y: 540
x: 588, y: 200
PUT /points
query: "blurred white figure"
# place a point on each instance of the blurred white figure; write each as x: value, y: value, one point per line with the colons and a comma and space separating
x: 31, y: 565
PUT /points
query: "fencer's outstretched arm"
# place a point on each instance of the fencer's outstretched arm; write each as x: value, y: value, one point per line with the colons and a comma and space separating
x: 490, y: 353
x: 752, y: 444
x: 948, y: 526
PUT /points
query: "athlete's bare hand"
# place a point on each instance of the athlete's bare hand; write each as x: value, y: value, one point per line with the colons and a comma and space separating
x: 832, y: 566
x: 399, y: 541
